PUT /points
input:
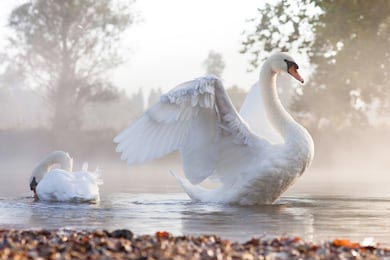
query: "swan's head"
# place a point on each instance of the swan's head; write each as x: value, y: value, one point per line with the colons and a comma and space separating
x: 282, y: 62
x: 37, y: 176
x: 57, y: 157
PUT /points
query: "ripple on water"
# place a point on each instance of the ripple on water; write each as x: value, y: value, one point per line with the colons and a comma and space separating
x: 313, y: 218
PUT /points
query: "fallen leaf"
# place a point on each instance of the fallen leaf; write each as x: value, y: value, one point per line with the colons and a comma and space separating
x: 345, y: 243
x: 162, y: 234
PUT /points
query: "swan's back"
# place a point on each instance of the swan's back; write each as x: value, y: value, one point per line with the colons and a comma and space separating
x: 60, y: 185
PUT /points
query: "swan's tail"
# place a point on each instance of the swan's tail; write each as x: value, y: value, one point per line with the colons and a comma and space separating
x: 95, y: 176
x: 195, y: 192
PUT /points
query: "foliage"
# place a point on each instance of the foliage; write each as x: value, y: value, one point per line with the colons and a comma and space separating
x: 154, y: 97
x: 237, y: 95
x: 67, y: 48
x: 214, y: 64
x: 347, y: 41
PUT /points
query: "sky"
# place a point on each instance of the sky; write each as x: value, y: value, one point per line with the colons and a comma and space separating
x: 172, y: 39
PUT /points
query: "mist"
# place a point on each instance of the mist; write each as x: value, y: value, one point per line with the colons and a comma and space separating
x: 59, y: 97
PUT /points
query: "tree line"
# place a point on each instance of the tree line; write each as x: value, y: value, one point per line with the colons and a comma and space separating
x: 347, y: 43
x: 64, y: 51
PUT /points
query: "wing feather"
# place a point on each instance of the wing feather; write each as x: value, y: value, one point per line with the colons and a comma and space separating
x: 193, y: 117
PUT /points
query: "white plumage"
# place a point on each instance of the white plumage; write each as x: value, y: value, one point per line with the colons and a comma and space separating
x: 253, y: 165
x: 61, y: 184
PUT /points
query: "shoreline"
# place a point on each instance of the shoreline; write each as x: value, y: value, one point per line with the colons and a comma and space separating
x: 123, y: 244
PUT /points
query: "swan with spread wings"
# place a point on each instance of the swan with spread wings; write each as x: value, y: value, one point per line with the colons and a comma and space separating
x: 255, y: 155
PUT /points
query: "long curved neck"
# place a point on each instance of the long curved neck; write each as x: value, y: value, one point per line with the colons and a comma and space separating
x: 58, y: 157
x: 278, y: 116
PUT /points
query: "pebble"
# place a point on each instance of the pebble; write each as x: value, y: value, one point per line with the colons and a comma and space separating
x: 123, y: 244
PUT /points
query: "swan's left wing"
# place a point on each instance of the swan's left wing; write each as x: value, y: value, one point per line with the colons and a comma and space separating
x: 195, y: 118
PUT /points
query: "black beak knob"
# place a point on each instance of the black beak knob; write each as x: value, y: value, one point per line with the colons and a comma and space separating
x: 33, y: 184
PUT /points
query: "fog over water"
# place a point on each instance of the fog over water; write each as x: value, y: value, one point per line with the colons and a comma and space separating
x: 76, y: 94
x: 343, y: 194
x: 348, y: 164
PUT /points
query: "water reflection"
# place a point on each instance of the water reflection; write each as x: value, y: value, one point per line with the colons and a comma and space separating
x: 313, y: 218
x: 275, y: 219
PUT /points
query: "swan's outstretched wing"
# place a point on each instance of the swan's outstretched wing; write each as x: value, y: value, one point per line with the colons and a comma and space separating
x: 193, y: 118
x: 253, y: 112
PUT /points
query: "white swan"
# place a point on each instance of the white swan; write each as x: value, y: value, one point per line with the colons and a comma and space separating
x: 61, y: 184
x: 255, y: 155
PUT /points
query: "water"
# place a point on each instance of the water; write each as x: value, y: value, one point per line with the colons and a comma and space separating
x: 312, y: 218
x: 145, y: 199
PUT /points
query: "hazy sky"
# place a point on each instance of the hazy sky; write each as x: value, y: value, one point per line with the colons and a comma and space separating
x: 174, y: 37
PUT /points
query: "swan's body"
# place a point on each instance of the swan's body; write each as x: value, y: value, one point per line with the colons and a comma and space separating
x: 61, y: 184
x: 254, y: 163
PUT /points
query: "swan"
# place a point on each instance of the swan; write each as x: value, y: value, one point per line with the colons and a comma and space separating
x: 254, y: 155
x: 61, y: 184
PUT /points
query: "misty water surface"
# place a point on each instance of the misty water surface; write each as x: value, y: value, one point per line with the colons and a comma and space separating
x: 146, y: 199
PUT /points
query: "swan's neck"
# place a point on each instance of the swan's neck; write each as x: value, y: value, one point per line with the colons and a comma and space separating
x: 278, y: 116
x: 55, y: 158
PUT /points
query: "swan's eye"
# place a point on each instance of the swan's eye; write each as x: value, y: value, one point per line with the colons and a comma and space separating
x: 291, y: 64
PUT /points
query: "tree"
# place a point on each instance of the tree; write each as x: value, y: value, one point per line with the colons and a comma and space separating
x: 114, y: 114
x: 154, y: 96
x: 67, y: 48
x: 237, y: 95
x: 214, y: 64
x: 347, y: 42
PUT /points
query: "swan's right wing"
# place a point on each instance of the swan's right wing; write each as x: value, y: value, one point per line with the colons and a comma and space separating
x: 193, y: 118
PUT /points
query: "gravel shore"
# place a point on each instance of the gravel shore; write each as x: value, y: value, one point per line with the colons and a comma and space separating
x: 122, y: 244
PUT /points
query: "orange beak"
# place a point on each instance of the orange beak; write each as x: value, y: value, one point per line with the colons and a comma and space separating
x: 293, y: 72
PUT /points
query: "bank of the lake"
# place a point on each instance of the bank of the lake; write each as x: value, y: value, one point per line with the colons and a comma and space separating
x: 123, y: 244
